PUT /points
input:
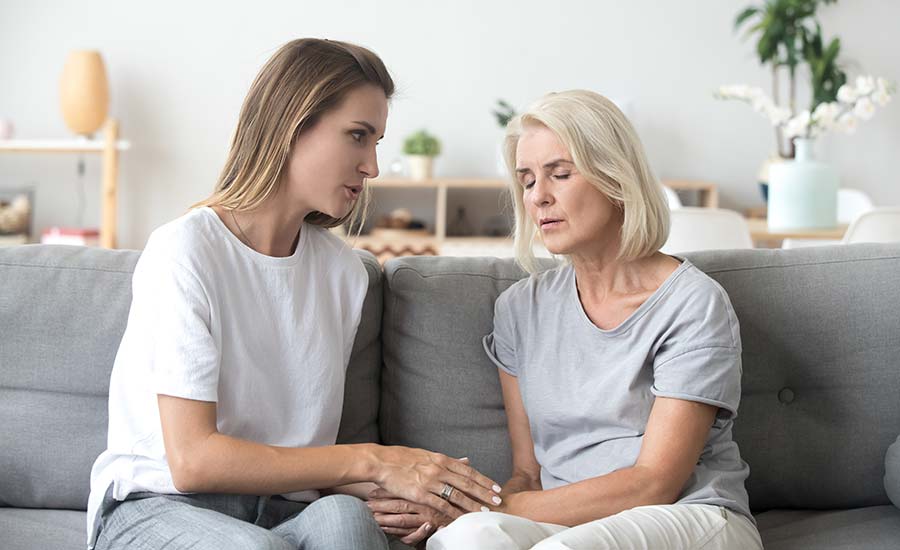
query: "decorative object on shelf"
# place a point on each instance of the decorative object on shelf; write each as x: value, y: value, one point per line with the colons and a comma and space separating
x: 84, y: 92
x: 497, y: 225
x: 400, y: 218
x: 395, y: 168
x: 7, y: 130
x: 16, y: 208
x: 420, y: 149
x: 802, y: 191
x: 77, y: 236
x: 503, y: 112
x: 460, y: 226
x: 385, y: 252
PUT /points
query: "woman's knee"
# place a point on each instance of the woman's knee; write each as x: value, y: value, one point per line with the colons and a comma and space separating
x: 473, y: 530
x: 337, y: 521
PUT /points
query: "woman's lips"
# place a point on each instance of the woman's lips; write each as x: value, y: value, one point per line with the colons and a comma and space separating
x: 550, y: 224
x: 352, y: 192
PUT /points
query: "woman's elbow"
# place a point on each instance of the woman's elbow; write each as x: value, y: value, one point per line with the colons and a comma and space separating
x: 187, y: 472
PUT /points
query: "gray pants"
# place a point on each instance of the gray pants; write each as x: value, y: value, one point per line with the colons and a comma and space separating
x: 221, y: 522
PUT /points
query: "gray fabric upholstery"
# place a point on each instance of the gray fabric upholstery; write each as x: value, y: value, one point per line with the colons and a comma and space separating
x: 63, y: 311
x: 362, y: 390
x: 892, y: 473
x: 439, y: 389
x: 821, y: 333
x: 22, y: 529
x: 871, y: 528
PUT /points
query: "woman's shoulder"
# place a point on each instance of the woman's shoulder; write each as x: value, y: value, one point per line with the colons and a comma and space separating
x: 187, y: 240
x: 695, y: 286
x: 333, y: 251
x: 536, y: 287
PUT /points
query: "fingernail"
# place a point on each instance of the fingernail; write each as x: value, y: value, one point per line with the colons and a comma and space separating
x: 485, y: 509
x: 496, y: 488
x: 497, y: 500
x: 465, y: 459
x: 428, y: 527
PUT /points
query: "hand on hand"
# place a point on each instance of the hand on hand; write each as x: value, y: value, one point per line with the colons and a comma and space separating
x: 422, y: 477
x: 412, y: 523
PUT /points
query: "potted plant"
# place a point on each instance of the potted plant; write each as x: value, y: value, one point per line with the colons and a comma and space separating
x: 420, y: 149
x: 802, y: 193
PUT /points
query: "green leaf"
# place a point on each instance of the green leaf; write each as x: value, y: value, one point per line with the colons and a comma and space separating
x: 744, y: 15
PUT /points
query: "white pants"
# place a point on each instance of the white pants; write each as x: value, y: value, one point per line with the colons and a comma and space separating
x: 671, y: 527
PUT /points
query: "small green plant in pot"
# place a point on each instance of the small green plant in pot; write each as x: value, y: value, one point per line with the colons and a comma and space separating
x: 420, y: 149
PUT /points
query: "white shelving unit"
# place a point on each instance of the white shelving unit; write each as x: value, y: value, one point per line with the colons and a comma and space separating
x: 109, y: 147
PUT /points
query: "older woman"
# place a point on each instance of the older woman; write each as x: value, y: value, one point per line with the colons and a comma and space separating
x: 620, y: 369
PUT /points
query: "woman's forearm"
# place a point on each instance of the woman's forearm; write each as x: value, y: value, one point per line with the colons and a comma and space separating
x: 591, y: 499
x: 224, y: 464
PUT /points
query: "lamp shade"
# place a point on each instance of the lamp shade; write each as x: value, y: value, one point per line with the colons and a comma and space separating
x: 84, y: 92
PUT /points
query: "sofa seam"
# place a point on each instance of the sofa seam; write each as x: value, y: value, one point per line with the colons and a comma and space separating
x: 805, y: 264
x: 64, y: 268
x: 62, y: 392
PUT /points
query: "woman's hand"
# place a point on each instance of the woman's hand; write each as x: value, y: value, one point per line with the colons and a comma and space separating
x: 409, y: 521
x: 421, y: 476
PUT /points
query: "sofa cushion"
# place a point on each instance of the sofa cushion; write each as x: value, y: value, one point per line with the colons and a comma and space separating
x: 63, y: 311
x: 872, y: 528
x: 892, y: 473
x: 821, y: 365
x: 439, y: 390
x: 22, y: 529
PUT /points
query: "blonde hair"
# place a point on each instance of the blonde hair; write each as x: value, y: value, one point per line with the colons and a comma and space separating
x: 607, y: 151
x: 301, y: 81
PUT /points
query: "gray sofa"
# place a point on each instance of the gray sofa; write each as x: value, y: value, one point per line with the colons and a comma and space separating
x: 821, y: 384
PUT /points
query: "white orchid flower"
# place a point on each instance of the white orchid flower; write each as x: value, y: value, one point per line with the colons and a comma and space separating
x: 865, y: 85
x: 847, y: 94
x: 848, y: 123
x: 864, y: 108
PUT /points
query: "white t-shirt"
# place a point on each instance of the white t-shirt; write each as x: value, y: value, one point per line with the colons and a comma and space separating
x: 268, y: 339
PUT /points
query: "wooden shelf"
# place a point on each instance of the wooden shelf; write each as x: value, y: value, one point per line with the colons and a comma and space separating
x: 455, y: 183
x: 108, y: 147
x: 58, y: 146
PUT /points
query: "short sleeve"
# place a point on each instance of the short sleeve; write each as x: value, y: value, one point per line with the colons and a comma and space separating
x: 710, y: 375
x: 171, y: 312
x: 500, y: 345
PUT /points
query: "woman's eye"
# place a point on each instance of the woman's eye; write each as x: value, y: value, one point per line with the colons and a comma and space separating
x: 358, y: 136
x: 528, y: 184
x: 561, y: 176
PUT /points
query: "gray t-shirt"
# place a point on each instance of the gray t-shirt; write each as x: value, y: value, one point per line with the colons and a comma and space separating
x: 588, y: 392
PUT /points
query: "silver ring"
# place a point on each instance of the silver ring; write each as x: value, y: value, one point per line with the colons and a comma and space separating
x: 446, y: 491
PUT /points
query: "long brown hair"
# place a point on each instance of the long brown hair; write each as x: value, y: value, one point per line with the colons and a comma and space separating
x: 301, y: 81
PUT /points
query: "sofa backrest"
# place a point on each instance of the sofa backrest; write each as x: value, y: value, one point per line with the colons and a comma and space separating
x: 63, y: 311
x: 821, y: 381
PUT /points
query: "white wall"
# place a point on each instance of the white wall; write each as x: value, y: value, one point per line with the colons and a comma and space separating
x: 179, y: 70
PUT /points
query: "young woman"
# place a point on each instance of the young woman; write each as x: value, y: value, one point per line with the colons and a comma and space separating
x: 620, y: 369
x: 226, y: 393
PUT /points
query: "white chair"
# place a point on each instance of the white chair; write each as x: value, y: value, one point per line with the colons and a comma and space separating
x: 696, y: 228
x: 881, y: 225
x: 851, y: 204
x: 672, y: 197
